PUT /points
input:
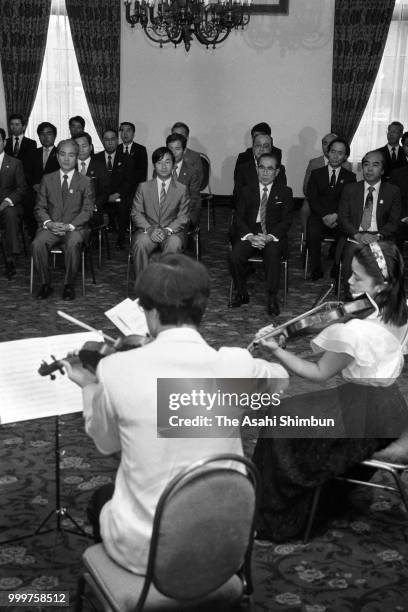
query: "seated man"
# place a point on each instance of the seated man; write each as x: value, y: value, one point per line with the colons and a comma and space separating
x: 12, y: 190
x: 192, y: 158
x: 369, y: 210
x: 399, y: 177
x: 324, y: 190
x: 65, y: 203
x: 248, y: 154
x: 263, y: 218
x: 188, y: 175
x: 120, y: 405
x: 247, y: 172
x: 160, y: 212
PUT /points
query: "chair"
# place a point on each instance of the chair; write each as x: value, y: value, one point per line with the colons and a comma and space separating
x: 100, y: 232
x: 86, y: 251
x: 330, y: 241
x: 395, y: 469
x: 205, y: 184
x: 259, y: 260
x: 200, y: 549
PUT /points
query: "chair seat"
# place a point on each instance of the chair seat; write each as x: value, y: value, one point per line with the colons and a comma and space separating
x: 123, y: 588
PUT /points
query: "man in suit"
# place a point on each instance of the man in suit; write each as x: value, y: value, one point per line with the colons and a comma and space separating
x: 118, y: 173
x: 93, y: 168
x: 188, y: 175
x: 76, y: 126
x: 394, y: 155
x: 45, y: 158
x: 324, y: 190
x: 12, y: 190
x: 137, y: 153
x: 247, y: 173
x: 65, y: 203
x: 369, y: 210
x: 399, y: 177
x: 192, y: 158
x: 160, y: 212
x: 248, y: 154
x: 263, y: 218
x: 120, y: 405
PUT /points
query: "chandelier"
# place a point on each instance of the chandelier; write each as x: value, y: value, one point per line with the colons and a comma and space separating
x: 167, y: 21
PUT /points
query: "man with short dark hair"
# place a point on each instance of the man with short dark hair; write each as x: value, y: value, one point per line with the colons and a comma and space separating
x: 188, y: 175
x: 93, y: 168
x: 65, y: 203
x: 76, y: 125
x: 263, y: 218
x: 137, y: 153
x: 173, y: 293
x: 394, y: 156
x: 192, y: 158
x: 160, y: 212
x: 12, y: 190
x: 45, y: 159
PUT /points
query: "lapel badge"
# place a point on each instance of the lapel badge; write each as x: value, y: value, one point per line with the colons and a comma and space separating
x: 71, y: 191
x: 342, y: 181
x: 119, y: 163
x: 381, y: 202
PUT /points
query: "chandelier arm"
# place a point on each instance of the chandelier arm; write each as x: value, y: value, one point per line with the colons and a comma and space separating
x: 161, y: 41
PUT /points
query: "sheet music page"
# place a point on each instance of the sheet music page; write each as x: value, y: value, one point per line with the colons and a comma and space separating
x: 24, y: 394
x: 128, y: 317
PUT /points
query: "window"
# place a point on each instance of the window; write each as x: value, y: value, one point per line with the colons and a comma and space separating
x: 60, y: 93
x: 389, y: 97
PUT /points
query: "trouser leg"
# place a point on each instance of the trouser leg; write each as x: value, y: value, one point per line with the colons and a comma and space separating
x: 142, y: 247
x: 72, y: 250
x: 42, y: 243
x: 272, y: 256
x: 238, y: 264
x: 98, y: 500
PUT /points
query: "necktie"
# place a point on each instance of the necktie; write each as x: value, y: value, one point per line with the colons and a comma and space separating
x: 83, y: 168
x: 174, y: 173
x: 162, y: 194
x: 16, y: 147
x: 110, y: 167
x: 333, y: 179
x: 393, y: 156
x: 46, y: 153
x: 264, y: 202
x: 126, y: 150
x: 368, y: 210
x: 64, y: 188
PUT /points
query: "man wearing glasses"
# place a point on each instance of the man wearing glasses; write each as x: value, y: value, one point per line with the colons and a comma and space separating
x: 263, y: 218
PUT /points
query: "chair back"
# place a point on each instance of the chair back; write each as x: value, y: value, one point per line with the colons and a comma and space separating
x: 203, y: 528
x: 206, y: 164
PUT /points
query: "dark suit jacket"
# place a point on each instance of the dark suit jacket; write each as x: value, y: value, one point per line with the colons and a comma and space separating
x: 138, y: 156
x: 279, y: 210
x: 12, y: 180
x: 389, y: 165
x: 80, y: 202
x: 248, y: 155
x: 51, y: 166
x: 146, y: 211
x: 352, y: 206
x: 190, y: 177
x: 247, y: 174
x: 100, y: 181
x: 121, y: 178
x: 26, y: 155
x: 323, y: 199
x: 399, y: 177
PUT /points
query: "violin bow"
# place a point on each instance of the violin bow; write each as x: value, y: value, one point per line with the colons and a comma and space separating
x: 68, y: 317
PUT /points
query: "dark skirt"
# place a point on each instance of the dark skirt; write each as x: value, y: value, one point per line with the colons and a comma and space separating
x: 291, y: 468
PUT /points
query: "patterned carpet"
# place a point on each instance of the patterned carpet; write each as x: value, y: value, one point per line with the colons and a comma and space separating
x: 357, y: 562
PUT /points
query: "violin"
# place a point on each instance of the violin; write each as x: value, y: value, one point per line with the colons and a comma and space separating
x: 316, y: 319
x: 91, y: 353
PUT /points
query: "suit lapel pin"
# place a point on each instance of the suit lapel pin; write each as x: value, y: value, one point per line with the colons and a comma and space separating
x: 119, y: 163
x: 71, y: 191
x: 342, y: 181
x: 381, y: 202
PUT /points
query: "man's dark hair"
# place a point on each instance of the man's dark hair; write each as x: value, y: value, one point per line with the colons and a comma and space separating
x: 271, y: 155
x: 180, y: 124
x: 262, y: 128
x: 77, y: 119
x: 404, y: 137
x: 17, y: 116
x: 2, y: 134
x: 109, y: 129
x: 177, y: 286
x: 159, y: 153
x: 342, y: 141
x: 380, y: 153
x: 176, y: 138
x: 398, y: 123
x: 131, y: 125
x: 44, y: 125
x: 84, y: 135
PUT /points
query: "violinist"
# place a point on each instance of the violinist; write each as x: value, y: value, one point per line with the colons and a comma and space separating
x: 120, y: 404
x: 368, y: 354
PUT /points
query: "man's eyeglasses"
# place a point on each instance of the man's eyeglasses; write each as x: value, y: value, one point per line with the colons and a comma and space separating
x: 269, y: 169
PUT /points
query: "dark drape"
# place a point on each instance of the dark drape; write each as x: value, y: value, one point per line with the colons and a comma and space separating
x: 95, y: 29
x: 23, y: 36
x: 360, y: 33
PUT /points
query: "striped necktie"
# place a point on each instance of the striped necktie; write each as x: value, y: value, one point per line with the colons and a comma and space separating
x: 16, y: 149
x: 162, y: 194
x: 64, y: 188
x: 83, y: 168
x: 262, y: 211
x: 368, y: 210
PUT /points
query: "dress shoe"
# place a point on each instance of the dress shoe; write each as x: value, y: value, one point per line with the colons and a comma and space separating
x: 44, y: 292
x: 68, y: 293
x: 239, y: 300
x: 10, y: 269
x: 272, y: 307
x: 316, y: 275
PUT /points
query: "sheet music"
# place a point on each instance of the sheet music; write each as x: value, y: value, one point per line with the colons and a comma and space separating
x: 128, y: 317
x: 24, y: 394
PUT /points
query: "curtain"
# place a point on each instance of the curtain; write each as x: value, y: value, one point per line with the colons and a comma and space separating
x: 389, y: 97
x: 23, y: 35
x: 360, y: 33
x: 95, y: 28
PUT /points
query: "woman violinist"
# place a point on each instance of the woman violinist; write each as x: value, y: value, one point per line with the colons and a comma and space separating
x: 368, y: 354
